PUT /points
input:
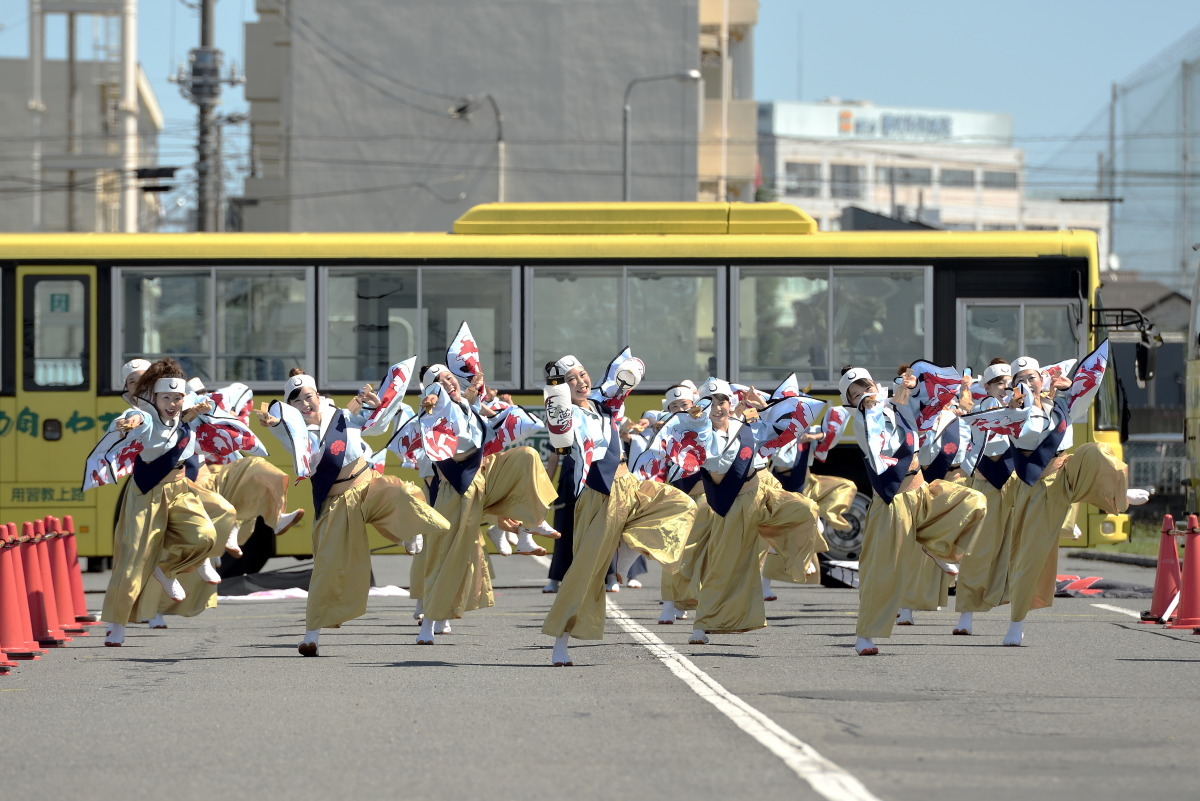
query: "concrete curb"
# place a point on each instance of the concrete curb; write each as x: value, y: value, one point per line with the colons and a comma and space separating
x: 1120, y: 558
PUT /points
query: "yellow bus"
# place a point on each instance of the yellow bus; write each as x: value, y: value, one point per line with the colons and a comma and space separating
x: 750, y: 292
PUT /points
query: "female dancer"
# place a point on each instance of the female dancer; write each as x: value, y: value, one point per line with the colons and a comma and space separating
x: 611, y: 505
x: 347, y: 495
x: 163, y: 530
x: 740, y: 505
x: 906, y: 512
x: 475, y: 477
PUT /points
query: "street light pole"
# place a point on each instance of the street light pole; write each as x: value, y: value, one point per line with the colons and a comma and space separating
x: 463, y: 110
x: 687, y: 76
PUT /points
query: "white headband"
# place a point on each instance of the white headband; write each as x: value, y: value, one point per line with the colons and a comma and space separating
x: 1026, y: 363
x: 133, y: 366
x: 849, y: 377
x: 994, y: 371
x: 563, y: 366
x: 296, y: 382
x: 716, y: 386
x: 679, y: 393
x: 170, y: 385
x: 195, y: 385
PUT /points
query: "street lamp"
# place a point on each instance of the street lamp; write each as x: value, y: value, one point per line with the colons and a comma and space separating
x: 463, y: 110
x: 687, y: 76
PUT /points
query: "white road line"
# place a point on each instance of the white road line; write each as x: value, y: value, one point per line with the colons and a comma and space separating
x: 1120, y: 609
x: 824, y: 776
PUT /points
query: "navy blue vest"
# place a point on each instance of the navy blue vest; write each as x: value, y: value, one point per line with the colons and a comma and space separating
x: 941, y: 464
x: 147, y: 475
x: 601, y: 474
x: 686, y: 483
x: 887, y: 483
x: 996, y: 471
x: 793, y: 481
x: 1030, y: 468
x: 721, y: 496
x: 325, y: 476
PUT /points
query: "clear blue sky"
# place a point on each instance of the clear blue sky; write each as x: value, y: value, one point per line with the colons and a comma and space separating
x: 1047, y: 62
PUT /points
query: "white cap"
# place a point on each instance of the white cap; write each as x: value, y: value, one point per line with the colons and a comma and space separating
x: 1025, y: 363
x: 195, y: 385
x: 170, y: 385
x: 679, y: 393
x: 995, y: 371
x: 432, y: 372
x: 716, y: 386
x: 849, y: 377
x: 563, y: 366
x: 296, y: 382
x: 133, y: 366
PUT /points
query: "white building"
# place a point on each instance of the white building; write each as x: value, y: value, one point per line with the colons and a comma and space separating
x: 956, y: 170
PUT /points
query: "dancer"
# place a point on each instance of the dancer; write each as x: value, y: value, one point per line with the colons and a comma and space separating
x: 327, y: 448
x: 477, y: 476
x: 162, y: 528
x: 983, y: 575
x: 611, y: 505
x: 906, y: 512
x: 1050, y: 480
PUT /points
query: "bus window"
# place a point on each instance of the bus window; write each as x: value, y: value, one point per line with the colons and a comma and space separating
x: 221, y: 324
x: 1047, y: 330
x: 56, y: 312
x: 578, y: 311
x: 814, y: 321
x: 673, y: 321
x: 482, y: 297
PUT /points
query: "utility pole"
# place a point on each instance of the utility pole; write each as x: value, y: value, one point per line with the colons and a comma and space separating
x: 202, y: 85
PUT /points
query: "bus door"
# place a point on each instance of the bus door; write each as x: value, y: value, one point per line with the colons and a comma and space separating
x: 53, y: 424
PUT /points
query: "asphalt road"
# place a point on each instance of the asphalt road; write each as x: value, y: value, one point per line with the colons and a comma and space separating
x: 222, y: 707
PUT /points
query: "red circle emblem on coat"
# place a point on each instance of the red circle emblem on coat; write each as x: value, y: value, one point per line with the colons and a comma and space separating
x: 337, y: 448
x: 745, y: 452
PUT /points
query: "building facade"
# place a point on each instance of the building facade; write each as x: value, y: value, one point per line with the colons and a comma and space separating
x: 380, y: 115
x: 956, y: 170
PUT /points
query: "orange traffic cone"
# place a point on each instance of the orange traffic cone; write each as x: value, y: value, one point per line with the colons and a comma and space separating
x: 1188, y: 616
x: 78, y: 600
x: 1167, y: 576
x: 42, y: 612
x: 61, y: 575
x: 14, y: 610
x: 16, y: 554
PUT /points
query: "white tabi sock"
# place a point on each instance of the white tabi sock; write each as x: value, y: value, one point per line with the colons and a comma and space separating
x: 157, y: 622
x: 425, y: 635
x: 231, y: 544
x: 768, y: 593
x: 626, y: 556
x: 905, y: 618
x: 1016, y: 633
x: 116, y: 633
x: 964, y: 623
x: 864, y: 644
x: 499, y: 538
x: 559, y: 656
x: 285, y: 521
x: 698, y: 637
x: 667, y: 617
x: 207, y: 573
x: 419, y: 612
x: 441, y: 627
x: 551, y: 586
x: 311, y: 635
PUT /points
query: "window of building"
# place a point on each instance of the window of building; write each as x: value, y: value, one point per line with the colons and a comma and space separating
x: 905, y: 176
x: 802, y: 179
x: 958, y: 178
x: 377, y: 317
x: 812, y: 321
x: 993, y: 179
x: 847, y: 181
x: 669, y: 316
x: 222, y: 324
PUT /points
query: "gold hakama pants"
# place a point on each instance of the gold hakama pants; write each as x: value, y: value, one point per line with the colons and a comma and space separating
x: 456, y: 573
x: 166, y: 527
x: 943, y: 517
x: 682, y: 585
x: 833, y: 497
x: 650, y: 517
x: 255, y: 487
x: 730, y: 596
x: 983, y: 574
x: 200, y: 594
x: 1091, y: 474
x: 341, y: 577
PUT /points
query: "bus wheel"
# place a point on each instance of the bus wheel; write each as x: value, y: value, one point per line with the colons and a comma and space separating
x: 847, y: 544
